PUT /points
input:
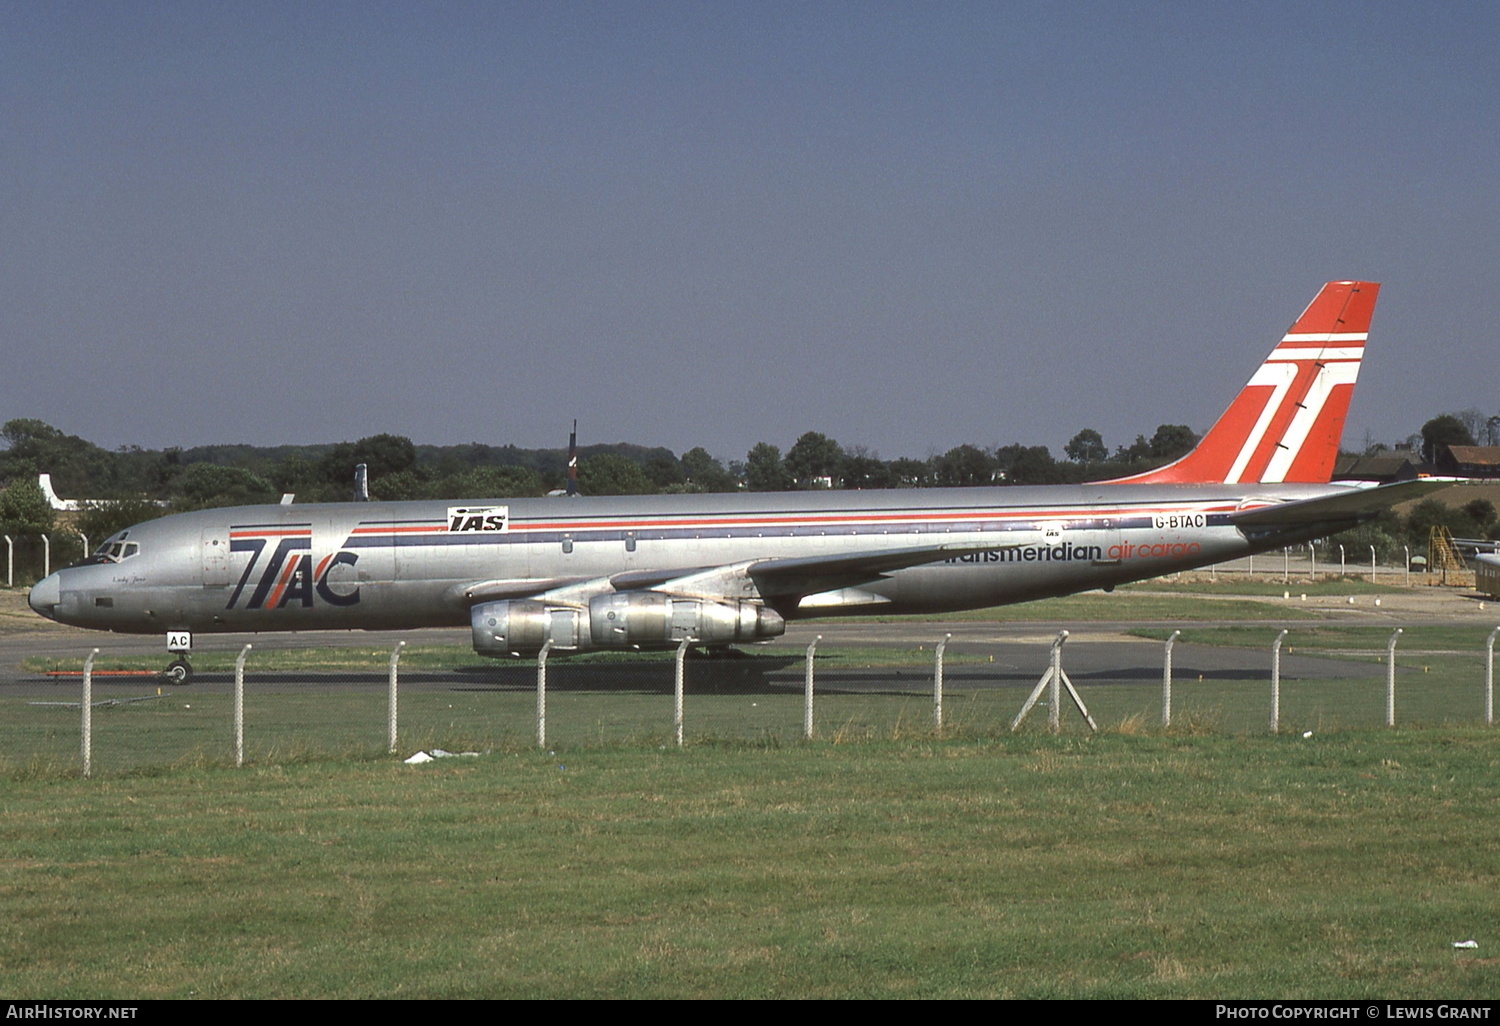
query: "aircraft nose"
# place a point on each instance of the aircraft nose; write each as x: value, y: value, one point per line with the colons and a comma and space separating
x: 45, y: 595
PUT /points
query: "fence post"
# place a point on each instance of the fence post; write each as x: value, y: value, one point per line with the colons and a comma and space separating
x: 1286, y: 565
x: 807, y: 690
x: 1390, y: 680
x: 1312, y: 555
x: 1166, y: 682
x: 677, y: 691
x: 88, y: 714
x: 1341, y: 559
x: 239, y: 708
x: 937, y: 684
x: 1276, y: 682
x: 85, y: 540
x: 10, y: 562
x: 1489, y: 679
x: 1372, y: 564
x: 46, y: 556
x: 1057, y: 679
x: 541, y: 694
x: 391, y: 705
x: 1407, y: 550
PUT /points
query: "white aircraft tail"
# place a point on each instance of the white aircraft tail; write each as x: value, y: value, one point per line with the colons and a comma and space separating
x: 44, y: 481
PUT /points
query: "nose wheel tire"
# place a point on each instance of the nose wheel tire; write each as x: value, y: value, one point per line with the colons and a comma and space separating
x: 178, y: 672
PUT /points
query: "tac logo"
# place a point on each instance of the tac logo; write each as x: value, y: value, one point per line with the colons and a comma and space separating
x: 477, y: 518
x: 287, y: 577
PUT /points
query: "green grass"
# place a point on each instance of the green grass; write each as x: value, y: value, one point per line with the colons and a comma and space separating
x: 1029, y: 866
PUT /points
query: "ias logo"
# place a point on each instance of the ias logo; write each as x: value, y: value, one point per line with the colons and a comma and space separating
x: 477, y: 518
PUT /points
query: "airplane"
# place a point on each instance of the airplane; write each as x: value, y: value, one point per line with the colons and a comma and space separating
x: 643, y: 572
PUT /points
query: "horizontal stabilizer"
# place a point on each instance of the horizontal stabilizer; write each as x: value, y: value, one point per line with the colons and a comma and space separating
x: 1354, y: 505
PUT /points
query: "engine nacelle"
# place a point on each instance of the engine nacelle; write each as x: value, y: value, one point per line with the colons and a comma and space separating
x: 651, y: 619
x: 635, y: 619
x: 523, y: 627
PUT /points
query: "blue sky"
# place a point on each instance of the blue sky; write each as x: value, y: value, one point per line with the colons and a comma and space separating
x: 905, y: 225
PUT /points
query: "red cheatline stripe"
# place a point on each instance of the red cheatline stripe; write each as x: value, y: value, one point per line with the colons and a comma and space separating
x: 297, y: 532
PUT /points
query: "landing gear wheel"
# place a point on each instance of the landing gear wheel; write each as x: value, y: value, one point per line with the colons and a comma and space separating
x: 178, y: 672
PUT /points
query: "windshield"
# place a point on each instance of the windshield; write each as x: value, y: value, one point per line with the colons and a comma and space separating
x: 115, y: 550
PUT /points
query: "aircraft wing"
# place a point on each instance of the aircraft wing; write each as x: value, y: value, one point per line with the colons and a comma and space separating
x: 809, y: 575
x: 1353, y: 505
x: 768, y: 579
x: 773, y: 579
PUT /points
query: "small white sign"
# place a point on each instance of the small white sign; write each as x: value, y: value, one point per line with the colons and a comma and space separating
x: 179, y: 641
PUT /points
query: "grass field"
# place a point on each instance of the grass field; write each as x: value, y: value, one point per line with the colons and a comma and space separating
x: 1028, y: 866
x: 881, y: 860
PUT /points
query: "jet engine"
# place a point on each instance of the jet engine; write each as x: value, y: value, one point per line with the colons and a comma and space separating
x: 633, y: 619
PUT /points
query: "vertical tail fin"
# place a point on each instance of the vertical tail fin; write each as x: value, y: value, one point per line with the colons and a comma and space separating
x: 1285, y: 424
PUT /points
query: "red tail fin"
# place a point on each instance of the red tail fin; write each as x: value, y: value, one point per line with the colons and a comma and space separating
x: 1285, y: 424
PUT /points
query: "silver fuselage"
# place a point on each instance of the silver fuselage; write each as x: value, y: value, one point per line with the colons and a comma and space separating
x: 383, y: 565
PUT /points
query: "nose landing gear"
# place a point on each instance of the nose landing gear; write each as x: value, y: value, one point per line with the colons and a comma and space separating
x: 178, y: 671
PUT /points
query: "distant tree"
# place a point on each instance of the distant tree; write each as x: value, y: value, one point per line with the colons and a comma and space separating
x: 1481, y: 512
x: 664, y: 472
x: 1172, y: 441
x: 1027, y: 464
x: 1136, y: 452
x: 864, y: 469
x: 101, y: 520
x: 24, y: 509
x: 764, y: 470
x: 1430, y: 513
x: 609, y: 473
x: 963, y: 466
x: 909, y: 473
x: 336, y: 468
x: 1087, y: 447
x: 1443, y: 430
x: 1473, y: 422
x: 383, y: 454
x: 704, y: 473
x: 490, y: 483
x: 204, y: 485
x: 814, y: 456
x: 299, y: 475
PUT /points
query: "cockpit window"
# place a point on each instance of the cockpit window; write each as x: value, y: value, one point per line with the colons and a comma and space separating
x: 115, y: 551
